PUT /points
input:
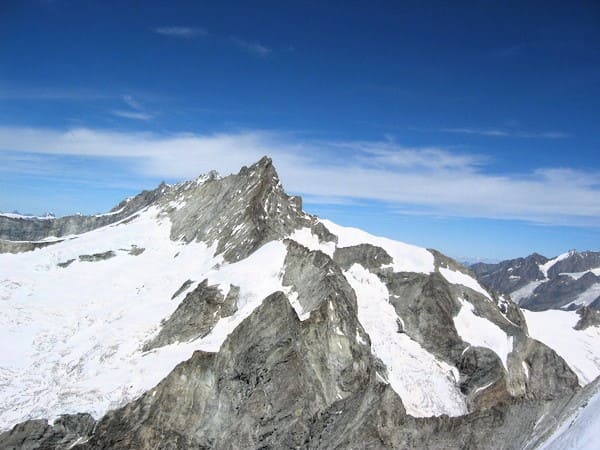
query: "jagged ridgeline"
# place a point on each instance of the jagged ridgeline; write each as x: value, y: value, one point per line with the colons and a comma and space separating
x: 216, y: 313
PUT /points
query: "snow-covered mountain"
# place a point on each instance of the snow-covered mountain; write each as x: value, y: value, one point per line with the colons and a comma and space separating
x: 216, y: 313
x: 537, y: 283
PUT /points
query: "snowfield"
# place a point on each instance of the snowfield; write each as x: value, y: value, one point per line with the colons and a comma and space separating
x: 69, y: 344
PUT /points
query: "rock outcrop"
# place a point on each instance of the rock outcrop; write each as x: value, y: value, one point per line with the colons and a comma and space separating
x: 196, y: 315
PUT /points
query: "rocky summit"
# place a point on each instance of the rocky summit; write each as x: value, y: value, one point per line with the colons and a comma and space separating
x: 217, y: 314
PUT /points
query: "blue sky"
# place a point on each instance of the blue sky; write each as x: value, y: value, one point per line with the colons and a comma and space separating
x: 470, y: 127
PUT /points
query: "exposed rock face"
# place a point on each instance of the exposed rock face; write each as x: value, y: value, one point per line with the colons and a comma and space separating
x: 186, y: 284
x: 240, y: 212
x: 590, y: 317
x: 367, y: 255
x: 314, y: 277
x: 569, y: 281
x: 540, y: 361
x: 373, y: 420
x: 66, y: 263
x: 282, y: 383
x: 98, y: 256
x: 135, y: 250
x: 196, y: 315
x: 18, y: 247
x: 66, y: 431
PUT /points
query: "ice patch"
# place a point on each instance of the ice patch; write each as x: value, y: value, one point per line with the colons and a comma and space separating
x: 455, y: 277
x: 480, y: 332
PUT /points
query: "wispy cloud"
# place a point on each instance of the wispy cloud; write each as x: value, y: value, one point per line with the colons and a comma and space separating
x: 136, y: 111
x: 432, y: 181
x: 507, y: 133
x: 254, y: 48
x: 181, y: 32
x: 251, y: 47
x: 134, y: 115
x: 132, y: 102
x: 388, y: 154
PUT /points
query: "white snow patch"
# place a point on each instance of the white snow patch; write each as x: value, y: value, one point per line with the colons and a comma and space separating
x: 548, y: 265
x: 578, y: 275
x: 359, y: 338
x: 580, y: 349
x: 455, y: 277
x: 112, y: 213
x: 177, y: 204
x: 292, y: 296
x: 525, y: 369
x: 427, y: 386
x: 480, y: 332
x: 305, y: 236
x: 407, y: 258
x: 481, y: 388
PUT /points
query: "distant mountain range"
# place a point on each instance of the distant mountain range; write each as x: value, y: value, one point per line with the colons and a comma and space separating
x: 538, y: 283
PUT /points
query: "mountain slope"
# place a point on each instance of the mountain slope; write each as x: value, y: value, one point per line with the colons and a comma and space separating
x: 217, y: 314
